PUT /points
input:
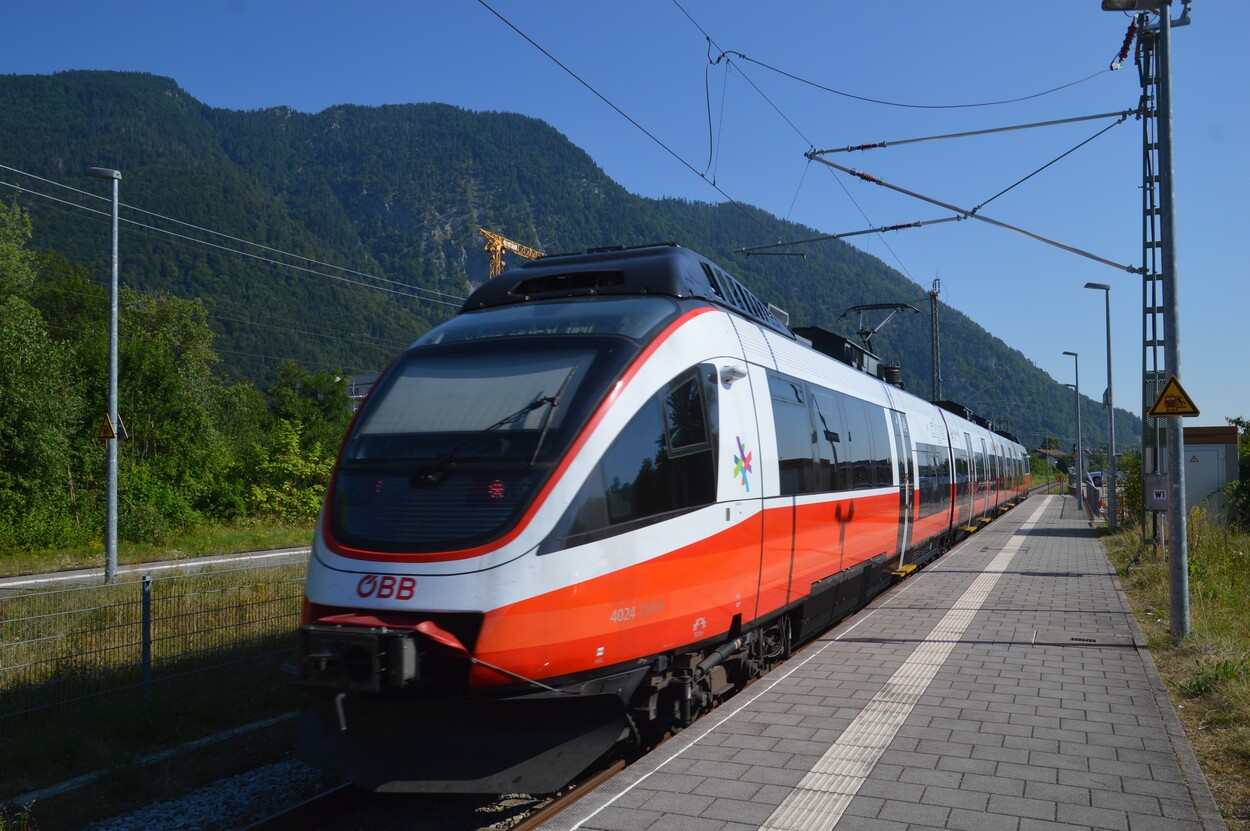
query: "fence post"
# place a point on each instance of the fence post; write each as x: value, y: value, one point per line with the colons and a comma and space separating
x: 147, y: 636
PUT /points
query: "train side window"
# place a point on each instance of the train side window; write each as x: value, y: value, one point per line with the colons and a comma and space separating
x: 882, y: 453
x: 830, y: 449
x: 935, y: 471
x: 796, y: 471
x: 661, y: 462
x: 983, y: 471
x: 963, y: 472
x: 685, y: 419
x: 860, y: 465
x: 631, y: 466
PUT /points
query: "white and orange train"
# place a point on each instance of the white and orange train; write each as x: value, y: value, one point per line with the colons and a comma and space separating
x: 608, y: 492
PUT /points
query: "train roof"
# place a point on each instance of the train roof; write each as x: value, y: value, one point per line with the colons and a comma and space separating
x: 664, y: 269
x: 967, y: 414
x: 667, y: 269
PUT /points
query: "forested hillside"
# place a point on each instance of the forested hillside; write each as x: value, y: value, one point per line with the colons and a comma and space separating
x: 398, y: 193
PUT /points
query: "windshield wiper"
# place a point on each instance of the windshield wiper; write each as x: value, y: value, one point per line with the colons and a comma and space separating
x: 433, y: 473
x: 551, y: 413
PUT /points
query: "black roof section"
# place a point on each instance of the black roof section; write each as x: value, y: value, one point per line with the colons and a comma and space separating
x: 963, y: 412
x: 664, y: 269
x: 840, y: 348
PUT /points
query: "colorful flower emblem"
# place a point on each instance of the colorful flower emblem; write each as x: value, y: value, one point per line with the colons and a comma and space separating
x: 742, y: 465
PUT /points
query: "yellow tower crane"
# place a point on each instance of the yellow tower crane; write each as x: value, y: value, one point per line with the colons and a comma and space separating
x: 497, y: 244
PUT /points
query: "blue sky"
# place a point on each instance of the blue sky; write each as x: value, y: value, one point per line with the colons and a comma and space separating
x: 652, y: 62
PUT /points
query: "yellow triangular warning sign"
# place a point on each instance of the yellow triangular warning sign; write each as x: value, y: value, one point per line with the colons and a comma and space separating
x: 106, y: 429
x: 1172, y: 401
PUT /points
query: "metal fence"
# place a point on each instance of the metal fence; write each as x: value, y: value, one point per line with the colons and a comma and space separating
x: 69, y: 644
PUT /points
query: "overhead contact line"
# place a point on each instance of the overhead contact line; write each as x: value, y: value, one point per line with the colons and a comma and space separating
x: 740, y: 206
x: 1121, y: 115
x: 403, y: 289
x: 885, y: 103
x: 970, y: 214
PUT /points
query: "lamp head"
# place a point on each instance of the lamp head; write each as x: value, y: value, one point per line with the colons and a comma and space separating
x: 1132, y: 5
x: 1102, y: 286
x: 103, y: 173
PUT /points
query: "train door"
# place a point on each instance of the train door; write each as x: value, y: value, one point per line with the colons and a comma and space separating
x: 971, y: 488
x: 1000, y: 478
x: 785, y: 437
x: 906, y: 481
x: 987, y: 477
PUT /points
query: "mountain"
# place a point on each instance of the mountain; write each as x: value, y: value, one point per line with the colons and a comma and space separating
x: 343, y: 235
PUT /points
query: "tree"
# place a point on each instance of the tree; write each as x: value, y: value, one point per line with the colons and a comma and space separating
x: 41, y: 405
x: 316, y: 401
x: 242, y: 417
x: 290, y: 481
x: 17, y: 262
x: 167, y: 399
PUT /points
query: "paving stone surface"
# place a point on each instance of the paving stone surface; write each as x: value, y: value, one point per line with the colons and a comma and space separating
x: 1001, y: 687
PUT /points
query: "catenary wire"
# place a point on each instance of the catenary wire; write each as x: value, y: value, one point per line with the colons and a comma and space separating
x: 185, y: 238
x: 813, y: 154
x: 323, y: 335
x: 740, y: 206
x: 1062, y: 155
x: 886, y: 103
x: 180, y: 239
x: 720, y: 127
x: 358, y: 339
x: 221, y: 234
x: 210, y: 307
x: 799, y: 132
x: 248, y: 254
x: 133, y: 339
x: 1122, y: 114
x: 969, y: 214
x: 435, y: 293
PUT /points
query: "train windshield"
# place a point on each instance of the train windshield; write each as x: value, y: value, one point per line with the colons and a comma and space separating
x: 464, y: 429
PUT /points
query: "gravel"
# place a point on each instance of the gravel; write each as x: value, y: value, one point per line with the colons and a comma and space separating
x: 227, y: 803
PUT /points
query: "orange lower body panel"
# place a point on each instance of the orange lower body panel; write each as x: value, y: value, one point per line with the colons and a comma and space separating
x: 688, y: 595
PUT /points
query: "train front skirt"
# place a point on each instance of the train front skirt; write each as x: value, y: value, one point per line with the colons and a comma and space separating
x: 397, y: 744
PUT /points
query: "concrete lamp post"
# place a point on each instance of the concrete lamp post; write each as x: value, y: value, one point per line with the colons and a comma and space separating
x: 1112, y: 522
x: 110, y: 522
x: 1080, y: 448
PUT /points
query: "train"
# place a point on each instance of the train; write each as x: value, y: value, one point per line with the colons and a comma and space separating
x: 589, y: 507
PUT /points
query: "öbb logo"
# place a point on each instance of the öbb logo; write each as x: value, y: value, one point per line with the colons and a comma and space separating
x: 386, y: 587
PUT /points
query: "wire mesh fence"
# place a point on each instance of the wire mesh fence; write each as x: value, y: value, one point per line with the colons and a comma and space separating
x: 69, y: 644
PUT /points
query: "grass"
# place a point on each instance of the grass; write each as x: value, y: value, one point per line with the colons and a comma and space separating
x: 206, y: 540
x: 73, y: 704
x: 1207, y: 674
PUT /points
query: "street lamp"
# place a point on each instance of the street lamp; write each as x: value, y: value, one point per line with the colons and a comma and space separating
x: 1111, y: 500
x: 110, y: 441
x: 1080, y: 450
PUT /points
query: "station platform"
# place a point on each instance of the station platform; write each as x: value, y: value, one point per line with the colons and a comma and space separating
x: 1004, y: 686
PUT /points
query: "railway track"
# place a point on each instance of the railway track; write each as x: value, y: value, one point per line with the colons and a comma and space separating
x: 349, y: 808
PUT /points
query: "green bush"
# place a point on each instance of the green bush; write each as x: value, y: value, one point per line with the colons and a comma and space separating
x: 289, y: 482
